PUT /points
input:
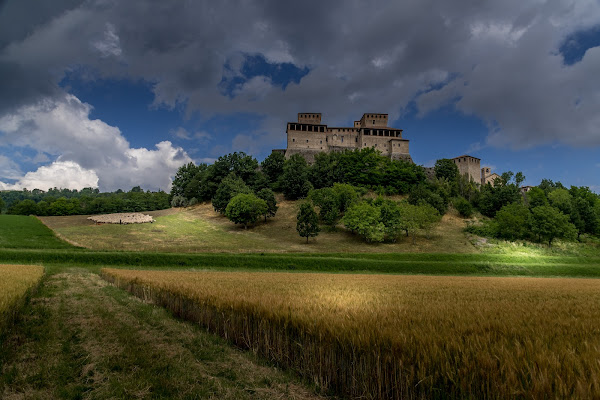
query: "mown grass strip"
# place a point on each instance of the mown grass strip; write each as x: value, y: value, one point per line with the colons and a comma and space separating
x: 431, y: 264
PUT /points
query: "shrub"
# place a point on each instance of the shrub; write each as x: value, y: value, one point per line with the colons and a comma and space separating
x: 245, y: 209
x: 463, y: 206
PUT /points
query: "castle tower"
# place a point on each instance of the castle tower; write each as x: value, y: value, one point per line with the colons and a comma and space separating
x: 470, y: 166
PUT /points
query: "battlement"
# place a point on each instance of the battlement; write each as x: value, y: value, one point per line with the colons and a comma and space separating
x: 309, y: 118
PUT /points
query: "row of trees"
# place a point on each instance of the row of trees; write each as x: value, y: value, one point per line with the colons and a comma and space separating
x: 86, y: 201
x: 376, y: 220
x: 545, y: 213
x: 294, y: 177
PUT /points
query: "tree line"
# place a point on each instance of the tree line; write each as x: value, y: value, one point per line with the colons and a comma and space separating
x: 334, y: 185
x: 85, y: 201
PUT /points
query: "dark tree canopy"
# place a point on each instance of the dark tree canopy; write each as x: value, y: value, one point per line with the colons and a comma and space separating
x: 446, y: 168
x: 307, y: 223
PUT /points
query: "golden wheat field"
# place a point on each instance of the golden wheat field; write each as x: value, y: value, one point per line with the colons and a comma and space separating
x: 15, y: 280
x: 384, y: 336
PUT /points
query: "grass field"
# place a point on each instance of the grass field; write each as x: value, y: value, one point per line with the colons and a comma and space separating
x: 27, y: 232
x: 200, y: 229
x: 400, y: 336
x: 15, y: 281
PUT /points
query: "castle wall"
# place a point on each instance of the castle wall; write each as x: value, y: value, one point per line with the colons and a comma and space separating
x: 343, y: 137
x: 470, y: 166
x: 308, y: 137
x: 306, y: 140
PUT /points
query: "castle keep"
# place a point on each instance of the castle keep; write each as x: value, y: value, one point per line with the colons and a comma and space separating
x: 309, y: 137
x: 470, y: 166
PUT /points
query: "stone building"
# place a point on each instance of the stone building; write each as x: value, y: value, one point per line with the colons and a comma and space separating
x: 471, y: 166
x: 309, y: 137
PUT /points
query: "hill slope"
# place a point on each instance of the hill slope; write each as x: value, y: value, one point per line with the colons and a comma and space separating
x: 200, y: 229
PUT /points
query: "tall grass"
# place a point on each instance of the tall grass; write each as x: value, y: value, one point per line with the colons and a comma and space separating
x: 15, y: 281
x: 373, y: 336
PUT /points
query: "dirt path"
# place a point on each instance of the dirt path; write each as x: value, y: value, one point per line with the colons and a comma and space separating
x: 82, y: 338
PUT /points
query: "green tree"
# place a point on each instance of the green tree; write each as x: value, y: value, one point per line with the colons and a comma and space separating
x: 511, y: 221
x: 25, y: 207
x: 183, y: 176
x: 392, y: 219
x: 245, y: 209
x: 410, y: 221
x: 269, y: 197
x: 365, y: 219
x: 307, y: 223
x: 547, y: 223
x: 294, y: 181
x: 463, y: 206
x: 231, y: 186
x: 272, y: 166
x: 446, y: 169
x: 346, y: 195
x: 536, y: 197
x: 328, y: 203
x: 1, y: 205
x: 427, y: 216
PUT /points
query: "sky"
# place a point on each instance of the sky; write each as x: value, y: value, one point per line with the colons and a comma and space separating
x: 116, y: 94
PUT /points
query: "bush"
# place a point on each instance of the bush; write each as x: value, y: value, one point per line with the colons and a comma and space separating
x: 179, y: 201
x: 463, y: 206
x: 245, y: 209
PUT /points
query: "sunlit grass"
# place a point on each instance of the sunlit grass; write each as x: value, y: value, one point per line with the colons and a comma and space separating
x: 400, y: 336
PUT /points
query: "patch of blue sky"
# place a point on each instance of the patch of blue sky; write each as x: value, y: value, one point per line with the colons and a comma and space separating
x: 280, y: 74
x: 126, y: 105
x: 575, y: 45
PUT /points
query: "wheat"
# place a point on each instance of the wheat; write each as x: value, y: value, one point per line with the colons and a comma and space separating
x: 385, y: 336
x: 15, y: 281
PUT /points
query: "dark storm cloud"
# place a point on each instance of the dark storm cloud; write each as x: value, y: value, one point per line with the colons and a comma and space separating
x: 496, y: 60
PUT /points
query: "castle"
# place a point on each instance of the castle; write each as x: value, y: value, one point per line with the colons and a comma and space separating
x: 309, y: 137
x: 471, y: 166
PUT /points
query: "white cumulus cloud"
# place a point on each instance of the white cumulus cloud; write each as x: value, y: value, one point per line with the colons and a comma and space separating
x: 60, y: 174
x: 62, y: 128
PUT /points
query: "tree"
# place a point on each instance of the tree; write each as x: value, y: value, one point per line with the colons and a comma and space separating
x: 536, y: 197
x: 269, y: 197
x: 231, y: 186
x: 183, y: 176
x: 446, y: 169
x: 391, y: 217
x: 463, y: 206
x: 410, y: 219
x: 294, y: 181
x: 307, y: 221
x: 328, y: 203
x: 511, y: 221
x: 245, y: 208
x: 548, y: 223
x: 346, y: 195
x: 365, y: 219
x: 1, y: 205
x: 272, y: 166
